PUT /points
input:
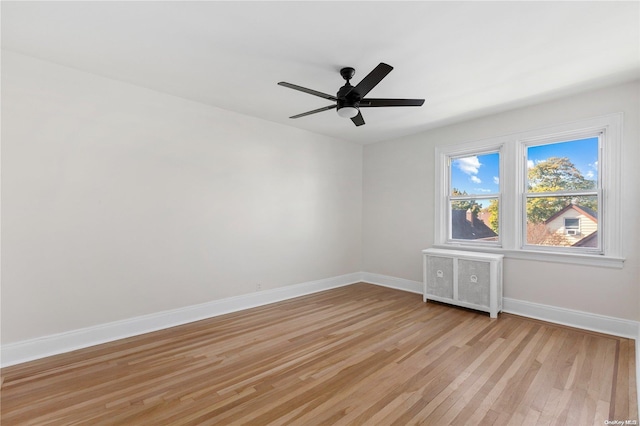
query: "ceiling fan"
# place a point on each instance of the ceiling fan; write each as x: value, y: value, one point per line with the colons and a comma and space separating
x: 350, y: 99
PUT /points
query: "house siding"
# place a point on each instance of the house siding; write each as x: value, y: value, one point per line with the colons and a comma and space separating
x: 587, y: 225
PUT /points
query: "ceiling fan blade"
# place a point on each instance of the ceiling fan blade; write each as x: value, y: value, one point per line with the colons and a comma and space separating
x: 358, y: 120
x: 372, y: 79
x: 327, y: 108
x: 309, y: 91
x: 377, y: 102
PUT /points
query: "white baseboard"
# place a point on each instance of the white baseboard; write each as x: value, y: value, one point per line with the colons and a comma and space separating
x: 28, y: 350
x: 572, y: 318
x: 393, y: 282
x: 579, y: 319
x: 32, y: 349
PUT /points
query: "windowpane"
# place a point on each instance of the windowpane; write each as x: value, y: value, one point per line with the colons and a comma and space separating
x: 563, y: 221
x: 571, y: 223
x: 476, y: 174
x: 475, y: 219
x: 563, y: 166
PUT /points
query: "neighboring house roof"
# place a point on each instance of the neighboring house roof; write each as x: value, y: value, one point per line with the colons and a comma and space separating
x: 590, y: 240
x: 474, y: 229
x: 590, y: 213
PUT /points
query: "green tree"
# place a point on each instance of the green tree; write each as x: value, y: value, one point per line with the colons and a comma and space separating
x: 465, y: 205
x: 553, y: 175
x: 493, y: 215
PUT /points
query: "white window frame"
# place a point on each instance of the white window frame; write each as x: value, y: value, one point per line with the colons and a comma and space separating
x: 597, y: 192
x: 450, y: 198
x: 512, y: 213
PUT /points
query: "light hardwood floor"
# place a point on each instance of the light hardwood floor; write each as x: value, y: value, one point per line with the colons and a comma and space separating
x: 356, y: 355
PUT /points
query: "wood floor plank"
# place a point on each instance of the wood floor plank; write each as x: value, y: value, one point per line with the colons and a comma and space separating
x: 356, y: 355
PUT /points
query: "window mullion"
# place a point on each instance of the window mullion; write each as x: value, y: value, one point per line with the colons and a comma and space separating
x: 510, y: 188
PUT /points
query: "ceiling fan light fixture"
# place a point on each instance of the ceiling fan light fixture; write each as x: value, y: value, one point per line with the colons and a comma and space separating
x: 348, y: 111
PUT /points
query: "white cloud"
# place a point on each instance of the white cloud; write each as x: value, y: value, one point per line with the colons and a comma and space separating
x: 496, y: 180
x: 479, y: 190
x: 590, y: 174
x: 475, y: 179
x: 530, y: 164
x: 468, y: 165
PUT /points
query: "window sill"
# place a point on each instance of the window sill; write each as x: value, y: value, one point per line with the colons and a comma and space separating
x: 541, y: 256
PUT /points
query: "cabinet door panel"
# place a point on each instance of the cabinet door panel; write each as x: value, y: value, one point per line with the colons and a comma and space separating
x: 440, y: 276
x: 474, y: 282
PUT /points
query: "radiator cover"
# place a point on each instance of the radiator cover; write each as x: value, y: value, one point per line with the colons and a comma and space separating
x: 464, y: 278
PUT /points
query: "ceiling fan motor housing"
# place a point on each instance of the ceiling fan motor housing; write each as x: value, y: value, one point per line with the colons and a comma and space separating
x: 348, y: 96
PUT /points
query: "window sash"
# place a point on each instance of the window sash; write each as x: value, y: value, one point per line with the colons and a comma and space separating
x: 450, y: 198
x: 552, y: 139
x: 598, y: 250
x: 480, y: 241
x: 594, y: 192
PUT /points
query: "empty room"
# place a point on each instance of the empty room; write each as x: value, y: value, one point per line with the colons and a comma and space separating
x: 320, y: 213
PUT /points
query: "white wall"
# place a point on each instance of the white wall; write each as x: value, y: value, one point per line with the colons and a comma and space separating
x: 398, y: 198
x: 118, y: 201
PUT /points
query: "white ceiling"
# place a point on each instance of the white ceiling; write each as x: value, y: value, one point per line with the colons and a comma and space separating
x: 467, y: 59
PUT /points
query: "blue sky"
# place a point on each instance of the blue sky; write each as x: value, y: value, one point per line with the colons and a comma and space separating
x: 583, y: 154
x: 479, y: 174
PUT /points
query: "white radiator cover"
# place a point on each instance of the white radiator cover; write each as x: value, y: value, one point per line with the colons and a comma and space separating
x: 469, y: 279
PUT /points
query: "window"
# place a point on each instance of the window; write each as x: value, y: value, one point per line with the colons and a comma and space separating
x: 474, y: 197
x: 535, y: 195
x: 562, y: 187
x: 572, y: 226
